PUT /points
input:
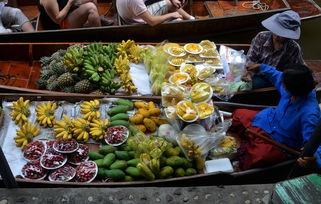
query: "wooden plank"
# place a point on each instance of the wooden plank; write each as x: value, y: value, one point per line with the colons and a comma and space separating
x: 214, y: 9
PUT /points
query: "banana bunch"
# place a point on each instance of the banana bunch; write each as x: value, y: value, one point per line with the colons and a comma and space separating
x: 110, y: 50
x: 107, y: 84
x: 90, y: 110
x: 74, y: 58
x: 129, y: 49
x: 81, y: 128
x: 95, y: 65
x: 45, y: 114
x: 63, y: 128
x: 122, y: 67
x: 20, y: 111
x: 94, y: 49
x: 98, y: 129
x: 25, y: 134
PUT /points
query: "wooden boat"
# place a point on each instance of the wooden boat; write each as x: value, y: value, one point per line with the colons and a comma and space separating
x: 270, y: 174
x: 23, y: 68
x: 213, y: 18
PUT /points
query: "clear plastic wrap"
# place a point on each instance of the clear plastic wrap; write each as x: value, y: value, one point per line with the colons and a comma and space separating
x: 172, y: 94
x: 195, y: 141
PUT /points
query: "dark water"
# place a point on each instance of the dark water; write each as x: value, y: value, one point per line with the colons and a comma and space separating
x: 310, y: 40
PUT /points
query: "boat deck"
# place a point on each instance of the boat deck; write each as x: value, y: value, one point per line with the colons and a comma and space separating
x: 23, y: 75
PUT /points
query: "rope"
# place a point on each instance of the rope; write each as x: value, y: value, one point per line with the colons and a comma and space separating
x: 5, y: 79
x: 256, y: 4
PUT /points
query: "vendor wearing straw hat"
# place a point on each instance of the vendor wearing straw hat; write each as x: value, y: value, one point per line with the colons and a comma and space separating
x: 276, y: 47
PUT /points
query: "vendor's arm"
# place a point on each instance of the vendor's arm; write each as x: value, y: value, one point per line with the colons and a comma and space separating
x: 155, y: 20
x: 309, y: 123
x: 52, y: 9
x: 269, y: 72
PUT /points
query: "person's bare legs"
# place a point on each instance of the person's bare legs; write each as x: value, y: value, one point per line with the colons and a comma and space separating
x: 85, y: 12
x: 172, y: 8
x: 27, y: 27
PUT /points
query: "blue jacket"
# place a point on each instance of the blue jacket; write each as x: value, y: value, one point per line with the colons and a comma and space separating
x: 289, y: 123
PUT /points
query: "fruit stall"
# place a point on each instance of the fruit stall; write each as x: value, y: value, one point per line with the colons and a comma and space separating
x: 61, y: 140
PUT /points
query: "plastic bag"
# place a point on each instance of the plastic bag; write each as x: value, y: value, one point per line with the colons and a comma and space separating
x: 172, y: 94
x: 227, y: 147
x: 233, y: 63
x: 221, y: 89
x: 195, y: 142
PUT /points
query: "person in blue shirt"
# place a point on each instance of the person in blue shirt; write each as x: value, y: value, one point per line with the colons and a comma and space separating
x: 291, y: 123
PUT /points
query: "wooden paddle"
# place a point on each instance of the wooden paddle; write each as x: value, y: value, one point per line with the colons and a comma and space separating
x: 271, y: 141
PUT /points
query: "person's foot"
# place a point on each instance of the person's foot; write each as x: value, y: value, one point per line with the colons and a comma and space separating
x: 106, y: 21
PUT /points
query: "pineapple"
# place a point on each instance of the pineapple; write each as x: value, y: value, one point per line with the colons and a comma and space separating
x: 83, y: 86
x: 65, y: 79
x: 97, y: 92
x: 53, y: 86
x: 68, y: 89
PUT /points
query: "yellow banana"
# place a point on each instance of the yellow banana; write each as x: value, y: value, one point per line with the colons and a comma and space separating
x: 90, y: 109
x: 98, y: 129
x: 64, y: 128
x: 45, y: 114
x: 25, y: 134
x: 81, y: 129
x: 20, y: 112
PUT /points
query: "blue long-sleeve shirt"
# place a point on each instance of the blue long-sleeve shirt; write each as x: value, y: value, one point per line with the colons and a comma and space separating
x: 290, y: 123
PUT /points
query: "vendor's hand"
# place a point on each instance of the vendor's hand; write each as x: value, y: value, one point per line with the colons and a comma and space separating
x: 306, y: 162
x: 253, y: 67
x: 176, y: 15
x: 177, y: 3
x: 247, y: 76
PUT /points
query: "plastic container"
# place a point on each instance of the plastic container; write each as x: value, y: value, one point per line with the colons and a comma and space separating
x: 52, y: 160
x: 63, y: 174
x: 189, y: 69
x: 218, y: 165
x: 86, y: 172
x: 185, y: 77
x: 193, y: 48
x: 194, y: 109
x: 33, y: 170
x: 169, y: 45
x: 206, y: 44
x: 34, y: 150
x: 79, y: 156
x: 201, y: 107
x: 116, y: 135
x: 65, y: 145
x: 210, y: 53
x: 196, y: 89
x: 170, y: 112
x: 175, y: 61
x: 205, y: 72
x: 176, y: 51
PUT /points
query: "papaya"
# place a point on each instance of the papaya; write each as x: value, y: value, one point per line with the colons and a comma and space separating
x: 99, y: 162
x: 118, y: 122
x: 120, y: 116
x: 171, y: 152
x: 162, y: 161
x: 199, y: 163
x: 105, y: 149
x: 141, y: 104
x: 179, y: 172
x: 144, y: 112
x: 150, y: 125
x: 101, y: 173
x: 155, y: 111
x: 119, y: 164
x: 125, y: 103
x: 175, y: 161
x: 115, y: 174
x: 137, y: 119
x: 118, y: 109
x: 125, y: 147
x: 190, y: 172
x: 166, y: 172
x: 133, y: 162
x: 141, y: 128
x: 187, y: 164
x: 131, y: 154
x: 95, y: 155
x: 122, y: 155
x: 109, y: 159
x: 133, y: 172
x: 127, y: 179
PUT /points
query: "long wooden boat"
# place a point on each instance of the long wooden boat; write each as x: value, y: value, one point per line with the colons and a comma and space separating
x: 214, y: 17
x: 270, y: 174
x: 20, y: 70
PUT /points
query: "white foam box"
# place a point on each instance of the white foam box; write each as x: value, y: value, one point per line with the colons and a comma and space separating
x: 218, y: 165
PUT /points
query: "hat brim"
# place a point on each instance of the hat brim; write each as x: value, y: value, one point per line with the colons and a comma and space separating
x: 275, y: 27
